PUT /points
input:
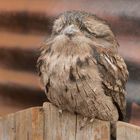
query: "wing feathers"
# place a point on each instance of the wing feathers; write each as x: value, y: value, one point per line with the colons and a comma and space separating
x: 114, y: 76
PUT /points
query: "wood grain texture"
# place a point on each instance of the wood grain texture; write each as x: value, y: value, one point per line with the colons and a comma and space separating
x: 29, y: 124
x: 97, y: 130
x: 0, y: 127
x: 46, y: 123
x: 37, y: 124
x: 7, y: 128
x: 127, y: 131
x: 58, y: 126
x: 23, y: 125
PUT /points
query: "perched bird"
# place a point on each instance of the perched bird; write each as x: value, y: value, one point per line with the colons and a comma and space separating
x: 80, y: 67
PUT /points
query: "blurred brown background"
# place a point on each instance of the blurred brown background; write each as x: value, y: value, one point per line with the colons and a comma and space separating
x: 24, y: 24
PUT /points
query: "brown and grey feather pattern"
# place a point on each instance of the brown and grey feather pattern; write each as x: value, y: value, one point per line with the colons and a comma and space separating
x: 81, y: 69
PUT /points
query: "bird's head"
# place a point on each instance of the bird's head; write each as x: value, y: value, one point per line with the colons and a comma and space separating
x: 79, y: 28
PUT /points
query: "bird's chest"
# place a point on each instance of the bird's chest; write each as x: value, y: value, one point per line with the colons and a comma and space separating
x: 59, y: 62
x: 62, y: 65
x: 67, y: 71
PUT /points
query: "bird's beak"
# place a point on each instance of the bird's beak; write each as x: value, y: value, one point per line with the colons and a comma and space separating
x: 70, y: 30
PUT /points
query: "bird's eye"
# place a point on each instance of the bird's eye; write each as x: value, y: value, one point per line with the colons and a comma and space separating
x: 89, y: 33
x: 98, y: 33
x: 58, y: 26
x: 57, y: 29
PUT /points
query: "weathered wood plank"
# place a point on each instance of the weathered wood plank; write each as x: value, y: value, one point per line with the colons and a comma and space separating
x: 46, y: 123
x: 29, y: 124
x: 1, y: 128
x: 97, y: 130
x: 7, y: 128
x: 127, y: 131
x: 37, y: 124
x: 68, y: 126
x: 58, y: 126
x: 23, y: 125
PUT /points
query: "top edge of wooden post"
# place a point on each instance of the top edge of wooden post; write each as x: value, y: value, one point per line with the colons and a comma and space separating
x: 119, y: 124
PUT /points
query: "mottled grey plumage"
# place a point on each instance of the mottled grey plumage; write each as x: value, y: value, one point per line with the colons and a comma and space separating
x: 81, y: 69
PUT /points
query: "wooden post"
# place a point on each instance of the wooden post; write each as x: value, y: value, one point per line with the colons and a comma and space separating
x: 127, y: 131
x: 67, y: 126
x: 46, y: 123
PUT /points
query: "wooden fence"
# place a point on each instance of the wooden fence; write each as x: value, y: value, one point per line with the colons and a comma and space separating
x: 46, y: 123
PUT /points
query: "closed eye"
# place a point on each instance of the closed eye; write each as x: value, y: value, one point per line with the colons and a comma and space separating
x: 58, y: 28
x: 102, y: 35
x: 57, y: 31
x: 89, y: 33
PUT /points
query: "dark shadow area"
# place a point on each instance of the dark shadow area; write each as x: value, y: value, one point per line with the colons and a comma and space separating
x: 19, y: 59
x: 21, y: 95
x: 26, y: 22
